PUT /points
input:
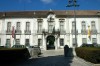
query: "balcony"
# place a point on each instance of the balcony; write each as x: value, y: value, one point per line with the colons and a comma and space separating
x: 73, y: 32
x: 27, y: 32
x: 62, y: 32
x: 50, y: 31
x: 93, y: 32
x: 39, y: 31
x: 18, y: 32
x: 84, y: 32
x: 8, y: 32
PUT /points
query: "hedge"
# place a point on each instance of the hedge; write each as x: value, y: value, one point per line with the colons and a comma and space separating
x: 13, y: 54
x: 90, y: 54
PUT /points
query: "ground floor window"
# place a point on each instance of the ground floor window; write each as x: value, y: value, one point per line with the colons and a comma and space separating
x: 84, y: 41
x: 94, y: 40
x: 61, y: 42
x: 39, y: 42
x: 73, y: 41
x: 8, y: 42
x: 27, y: 42
x: 17, y: 41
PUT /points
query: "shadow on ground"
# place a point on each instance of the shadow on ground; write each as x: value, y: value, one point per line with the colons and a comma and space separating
x: 59, y: 60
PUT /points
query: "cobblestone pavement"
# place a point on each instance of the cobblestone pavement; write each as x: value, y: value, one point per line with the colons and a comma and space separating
x: 54, y: 58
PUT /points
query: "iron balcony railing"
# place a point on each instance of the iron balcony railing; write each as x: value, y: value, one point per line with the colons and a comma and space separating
x: 39, y: 31
x: 62, y: 32
x: 27, y: 32
x: 93, y: 32
x: 8, y: 32
x: 18, y: 32
x: 73, y: 32
x: 84, y: 32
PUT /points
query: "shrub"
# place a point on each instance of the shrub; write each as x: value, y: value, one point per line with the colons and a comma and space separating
x: 13, y: 54
x: 91, y: 54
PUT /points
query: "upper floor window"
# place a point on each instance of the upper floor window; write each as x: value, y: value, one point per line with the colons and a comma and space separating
x: 61, y: 24
x: 27, y: 25
x: 73, y: 25
x: 83, y: 25
x: 50, y: 26
x: 18, y: 26
x: 93, y: 27
x: 39, y: 26
x: 8, y: 26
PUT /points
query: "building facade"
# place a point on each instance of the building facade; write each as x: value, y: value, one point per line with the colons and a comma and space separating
x: 49, y: 28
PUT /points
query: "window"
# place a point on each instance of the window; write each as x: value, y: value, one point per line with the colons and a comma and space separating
x: 73, y: 25
x: 84, y: 41
x: 50, y: 26
x: 18, y: 26
x: 17, y: 41
x: 39, y: 26
x: 73, y: 41
x: 61, y: 42
x: 9, y: 26
x: 93, y: 27
x: 27, y: 26
x: 94, y: 40
x: 61, y: 26
x: 83, y: 25
x: 39, y: 42
x: 27, y: 42
x: 8, y: 42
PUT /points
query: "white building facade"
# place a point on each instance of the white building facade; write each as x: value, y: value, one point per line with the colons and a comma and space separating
x: 49, y: 28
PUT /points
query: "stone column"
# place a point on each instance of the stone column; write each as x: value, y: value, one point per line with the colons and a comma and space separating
x: 44, y: 43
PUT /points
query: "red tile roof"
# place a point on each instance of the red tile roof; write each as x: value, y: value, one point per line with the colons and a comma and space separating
x: 58, y: 13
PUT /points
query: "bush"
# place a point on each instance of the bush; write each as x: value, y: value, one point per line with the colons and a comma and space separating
x: 91, y: 54
x: 13, y: 54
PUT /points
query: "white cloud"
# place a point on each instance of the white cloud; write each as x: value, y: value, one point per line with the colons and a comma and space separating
x: 47, y: 1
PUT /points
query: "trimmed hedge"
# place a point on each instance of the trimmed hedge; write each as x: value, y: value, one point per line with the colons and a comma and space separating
x: 90, y: 54
x: 13, y: 54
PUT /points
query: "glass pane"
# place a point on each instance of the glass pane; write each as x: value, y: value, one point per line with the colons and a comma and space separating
x: 39, y: 42
x: 94, y: 40
x: 27, y: 42
x: 17, y: 41
x: 84, y: 40
x: 73, y: 41
x: 61, y: 42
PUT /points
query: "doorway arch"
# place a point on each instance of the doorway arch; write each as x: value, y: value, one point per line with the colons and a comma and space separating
x: 50, y: 40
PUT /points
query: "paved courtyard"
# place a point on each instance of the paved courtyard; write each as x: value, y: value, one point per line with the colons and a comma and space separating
x: 53, y: 58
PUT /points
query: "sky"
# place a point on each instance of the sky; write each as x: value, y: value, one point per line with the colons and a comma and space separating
x: 27, y: 5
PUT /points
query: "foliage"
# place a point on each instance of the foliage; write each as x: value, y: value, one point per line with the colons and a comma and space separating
x: 11, y: 54
x: 91, y: 54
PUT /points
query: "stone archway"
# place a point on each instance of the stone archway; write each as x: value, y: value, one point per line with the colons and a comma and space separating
x: 50, y: 40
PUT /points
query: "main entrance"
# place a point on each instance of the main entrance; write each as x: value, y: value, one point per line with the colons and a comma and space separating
x: 50, y: 42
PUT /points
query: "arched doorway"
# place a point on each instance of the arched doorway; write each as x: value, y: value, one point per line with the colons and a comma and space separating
x: 50, y: 42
